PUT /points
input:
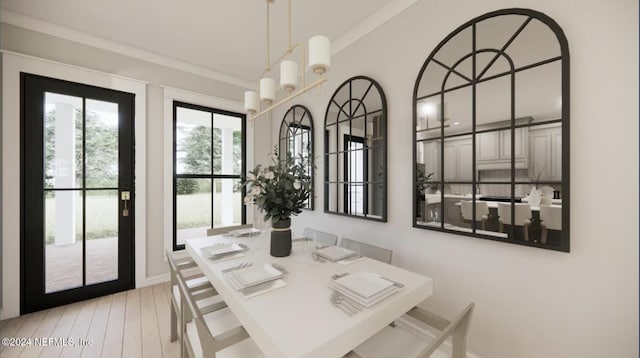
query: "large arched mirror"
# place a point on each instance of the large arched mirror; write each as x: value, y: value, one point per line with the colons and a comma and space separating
x: 355, y: 146
x: 296, y: 140
x: 491, y: 139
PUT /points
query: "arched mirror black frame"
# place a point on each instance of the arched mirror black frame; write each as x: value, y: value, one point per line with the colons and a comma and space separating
x: 296, y: 138
x: 355, y: 131
x: 472, y: 79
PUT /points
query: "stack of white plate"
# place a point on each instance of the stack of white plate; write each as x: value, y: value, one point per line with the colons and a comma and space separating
x: 252, y: 276
x: 335, y: 253
x: 365, y: 288
x: 224, y: 250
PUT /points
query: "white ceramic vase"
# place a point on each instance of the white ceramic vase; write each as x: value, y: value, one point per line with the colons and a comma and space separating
x: 534, y: 197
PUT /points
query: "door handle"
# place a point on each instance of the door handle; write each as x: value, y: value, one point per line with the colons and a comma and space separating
x: 125, y: 196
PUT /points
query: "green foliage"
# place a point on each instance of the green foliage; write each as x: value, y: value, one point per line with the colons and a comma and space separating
x: 101, y: 150
x: 196, y: 146
x: 281, y: 189
x: 186, y: 186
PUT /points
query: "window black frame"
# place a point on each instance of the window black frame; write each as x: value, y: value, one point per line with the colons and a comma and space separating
x: 564, y: 120
x: 211, y: 176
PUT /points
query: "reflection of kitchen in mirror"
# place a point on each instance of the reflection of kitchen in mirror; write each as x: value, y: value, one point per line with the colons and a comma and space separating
x: 489, y: 121
x: 355, y: 150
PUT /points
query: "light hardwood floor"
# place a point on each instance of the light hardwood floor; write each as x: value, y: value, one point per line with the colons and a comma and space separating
x: 134, y: 323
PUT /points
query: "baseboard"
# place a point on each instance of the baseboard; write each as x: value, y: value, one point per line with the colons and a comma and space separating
x: 150, y: 281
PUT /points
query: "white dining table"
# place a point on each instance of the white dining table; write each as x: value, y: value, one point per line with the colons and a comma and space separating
x: 298, y: 320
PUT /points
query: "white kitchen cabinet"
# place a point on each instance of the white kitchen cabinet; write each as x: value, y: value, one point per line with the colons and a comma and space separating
x: 545, y: 152
x: 494, y: 149
x: 458, y: 159
x: 431, y: 158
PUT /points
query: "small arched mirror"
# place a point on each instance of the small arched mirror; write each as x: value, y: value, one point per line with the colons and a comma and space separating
x: 355, y: 145
x: 491, y: 132
x: 296, y: 140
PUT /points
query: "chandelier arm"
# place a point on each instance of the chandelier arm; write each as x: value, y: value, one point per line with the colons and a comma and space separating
x: 284, y: 100
x: 283, y: 56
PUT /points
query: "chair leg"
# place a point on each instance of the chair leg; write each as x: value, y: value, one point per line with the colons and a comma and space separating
x: 543, y: 237
x: 174, y: 324
x: 525, y: 228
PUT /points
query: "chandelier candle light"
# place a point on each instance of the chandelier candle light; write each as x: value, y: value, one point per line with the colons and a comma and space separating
x: 292, y: 76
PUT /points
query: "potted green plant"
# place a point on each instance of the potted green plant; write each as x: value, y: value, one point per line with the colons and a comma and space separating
x: 280, y: 190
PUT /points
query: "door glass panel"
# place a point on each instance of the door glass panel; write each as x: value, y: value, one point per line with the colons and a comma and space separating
x: 193, y: 141
x: 193, y: 208
x: 62, y: 141
x: 63, y: 240
x: 101, y: 236
x: 226, y: 196
x: 227, y: 144
x: 101, y: 144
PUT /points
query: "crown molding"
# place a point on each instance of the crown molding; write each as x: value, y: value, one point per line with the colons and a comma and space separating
x: 385, y: 13
x: 33, y: 24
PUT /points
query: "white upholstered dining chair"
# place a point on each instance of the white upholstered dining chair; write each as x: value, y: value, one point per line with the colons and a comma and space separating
x: 368, y: 250
x: 522, y: 217
x: 419, y: 333
x: 482, y: 211
x: 550, y: 218
x: 182, y: 265
x: 212, y: 331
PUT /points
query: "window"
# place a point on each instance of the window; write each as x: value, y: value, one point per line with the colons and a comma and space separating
x: 209, y: 163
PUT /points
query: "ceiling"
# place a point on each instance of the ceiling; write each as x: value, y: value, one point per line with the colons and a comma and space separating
x: 227, y: 36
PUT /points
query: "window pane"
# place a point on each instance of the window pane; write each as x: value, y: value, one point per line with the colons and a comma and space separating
x: 227, y: 144
x: 62, y: 141
x: 63, y: 240
x: 101, y: 148
x: 193, y: 141
x: 193, y: 208
x: 102, y: 235
x: 227, y: 202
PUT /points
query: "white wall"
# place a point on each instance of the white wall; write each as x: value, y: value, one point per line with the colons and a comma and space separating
x: 529, y: 302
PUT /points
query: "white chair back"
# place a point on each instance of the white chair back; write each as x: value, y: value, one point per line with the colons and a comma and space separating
x: 482, y: 210
x: 320, y: 236
x: 412, y: 336
x: 368, y: 250
x: 551, y: 216
x: 523, y: 213
x: 226, y: 229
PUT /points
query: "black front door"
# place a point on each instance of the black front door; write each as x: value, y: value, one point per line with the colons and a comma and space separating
x: 77, y: 181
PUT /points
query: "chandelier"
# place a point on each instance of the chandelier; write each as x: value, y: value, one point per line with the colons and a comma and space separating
x: 292, y: 76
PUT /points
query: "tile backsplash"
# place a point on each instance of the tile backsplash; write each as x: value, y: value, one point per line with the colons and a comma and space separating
x: 522, y: 190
